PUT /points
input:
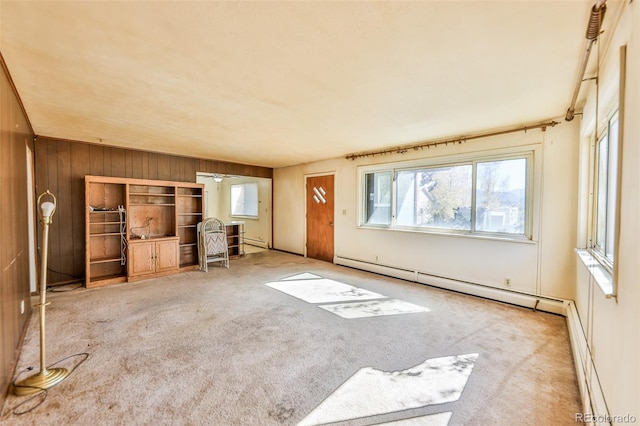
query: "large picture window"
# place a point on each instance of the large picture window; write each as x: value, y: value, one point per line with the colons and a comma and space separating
x: 435, y: 197
x: 487, y: 195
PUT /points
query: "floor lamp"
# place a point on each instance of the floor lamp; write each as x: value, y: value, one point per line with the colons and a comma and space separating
x: 46, y: 378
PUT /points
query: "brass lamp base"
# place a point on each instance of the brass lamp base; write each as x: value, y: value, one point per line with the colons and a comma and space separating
x: 43, y: 380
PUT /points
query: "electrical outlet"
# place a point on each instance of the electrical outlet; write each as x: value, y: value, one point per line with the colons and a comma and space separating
x: 22, y: 307
x: 376, y: 259
x: 507, y: 282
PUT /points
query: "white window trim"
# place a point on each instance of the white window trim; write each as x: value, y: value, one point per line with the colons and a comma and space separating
x: 531, y: 152
x: 599, y: 266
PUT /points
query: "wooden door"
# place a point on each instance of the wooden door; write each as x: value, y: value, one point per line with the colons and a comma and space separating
x: 141, y: 258
x: 166, y: 255
x: 320, y: 217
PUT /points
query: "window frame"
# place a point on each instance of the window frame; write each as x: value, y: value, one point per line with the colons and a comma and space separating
x: 612, y: 165
x: 528, y: 153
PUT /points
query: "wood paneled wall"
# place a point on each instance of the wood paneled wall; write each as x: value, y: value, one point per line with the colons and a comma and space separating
x: 15, y: 136
x: 61, y: 165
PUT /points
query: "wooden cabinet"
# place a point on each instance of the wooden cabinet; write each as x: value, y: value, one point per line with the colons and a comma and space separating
x: 153, y: 257
x: 141, y: 258
x: 138, y: 228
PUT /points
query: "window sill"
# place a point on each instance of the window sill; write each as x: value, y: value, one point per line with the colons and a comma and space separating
x: 237, y: 218
x: 599, y: 273
x: 461, y: 234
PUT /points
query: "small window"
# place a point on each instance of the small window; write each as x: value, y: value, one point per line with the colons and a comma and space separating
x: 244, y: 199
x: 606, y: 176
x: 378, y: 198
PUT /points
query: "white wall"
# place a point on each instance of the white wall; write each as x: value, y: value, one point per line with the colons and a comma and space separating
x: 612, y: 327
x: 544, y: 266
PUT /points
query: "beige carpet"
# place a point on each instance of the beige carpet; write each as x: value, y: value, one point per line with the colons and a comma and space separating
x: 223, y: 348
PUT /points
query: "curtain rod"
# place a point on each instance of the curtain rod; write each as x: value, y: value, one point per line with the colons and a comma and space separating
x: 593, y: 32
x: 459, y: 140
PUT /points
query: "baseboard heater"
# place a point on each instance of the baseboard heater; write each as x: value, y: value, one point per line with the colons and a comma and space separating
x: 542, y: 303
x: 256, y: 243
x: 593, y: 402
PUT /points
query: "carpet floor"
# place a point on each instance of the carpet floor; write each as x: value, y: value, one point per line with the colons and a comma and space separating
x: 279, y: 339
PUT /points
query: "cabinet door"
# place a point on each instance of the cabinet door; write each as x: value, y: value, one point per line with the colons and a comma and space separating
x: 166, y: 255
x: 142, y: 258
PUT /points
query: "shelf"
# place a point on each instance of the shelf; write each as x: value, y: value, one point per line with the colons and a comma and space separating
x: 106, y: 234
x: 102, y: 280
x: 152, y: 238
x: 104, y: 223
x: 190, y: 191
x: 189, y: 214
x: 190, y: 195
x: 104, y: 211
x: 133, y: 204
x: 187, y: 226
x: 107, y: 277
x: 153, y: 194
x: 188, y: 245
x: 105, y: 260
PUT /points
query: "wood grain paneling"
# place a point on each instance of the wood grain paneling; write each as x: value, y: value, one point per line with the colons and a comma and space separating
x: 80, y: 168
x: 15, y: 136
x: 61, y: 166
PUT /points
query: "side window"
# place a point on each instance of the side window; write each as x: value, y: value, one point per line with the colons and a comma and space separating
x: 606, y: 176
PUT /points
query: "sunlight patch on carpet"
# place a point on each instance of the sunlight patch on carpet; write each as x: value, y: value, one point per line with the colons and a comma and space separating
x: 303, y: 276
x: 323, y: 291
x: 370, y: 392
x: 373, y: 308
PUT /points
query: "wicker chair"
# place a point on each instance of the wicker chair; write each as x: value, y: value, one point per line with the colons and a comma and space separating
x: 212, y: 243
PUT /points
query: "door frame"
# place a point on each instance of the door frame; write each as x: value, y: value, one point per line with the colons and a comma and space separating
x: 306, y: 180
x: 31, y: 220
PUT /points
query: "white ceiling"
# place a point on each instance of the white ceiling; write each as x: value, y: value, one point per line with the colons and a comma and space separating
x: 283, y: 83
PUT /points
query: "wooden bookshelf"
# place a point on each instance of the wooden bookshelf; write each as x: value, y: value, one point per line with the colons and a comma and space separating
x: 138, y: 228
